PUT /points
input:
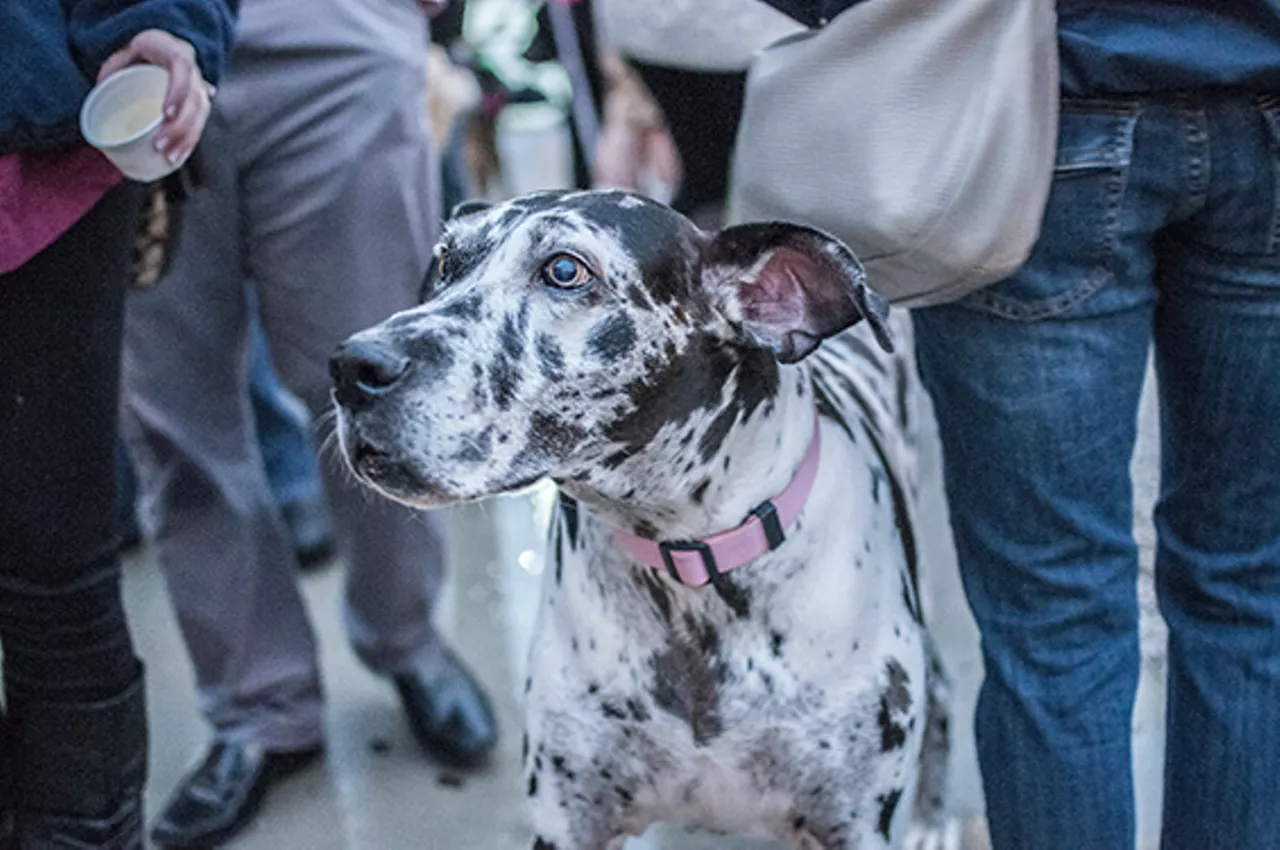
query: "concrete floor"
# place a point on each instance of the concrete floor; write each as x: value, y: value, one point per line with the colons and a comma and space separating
x: 376, y: 792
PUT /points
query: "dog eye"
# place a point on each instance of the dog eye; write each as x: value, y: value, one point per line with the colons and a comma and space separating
x: 434, y: 276
x: 565, y: 271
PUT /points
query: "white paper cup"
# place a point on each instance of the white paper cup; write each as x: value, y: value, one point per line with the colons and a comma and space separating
x: 121, y: 117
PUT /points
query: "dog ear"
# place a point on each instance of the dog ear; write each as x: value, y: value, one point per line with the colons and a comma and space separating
x: 468, y: 207
x: 790, y: 287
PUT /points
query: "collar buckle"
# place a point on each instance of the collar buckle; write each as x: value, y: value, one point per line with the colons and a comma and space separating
x: 767, y: 513
x: 703, y: 548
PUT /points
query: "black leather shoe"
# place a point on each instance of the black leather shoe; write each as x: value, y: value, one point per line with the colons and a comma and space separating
x: 221, y: 796
x: 449, y: 713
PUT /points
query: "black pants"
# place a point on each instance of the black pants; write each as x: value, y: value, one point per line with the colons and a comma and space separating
x: 62, y: 624
x: 703, y: 110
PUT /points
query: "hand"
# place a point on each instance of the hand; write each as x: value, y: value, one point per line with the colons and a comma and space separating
x: 189, y: 97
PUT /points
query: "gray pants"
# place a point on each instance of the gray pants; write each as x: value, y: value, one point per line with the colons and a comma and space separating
x: 318, y: 183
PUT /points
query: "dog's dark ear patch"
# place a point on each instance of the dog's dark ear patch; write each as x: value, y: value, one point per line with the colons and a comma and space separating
x: 795, y: 286
x: 468, y: 207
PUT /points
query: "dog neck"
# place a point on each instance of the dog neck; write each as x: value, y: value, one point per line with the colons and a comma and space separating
x: 673, y: 489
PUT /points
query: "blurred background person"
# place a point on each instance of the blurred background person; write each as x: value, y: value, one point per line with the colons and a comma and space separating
x: 318, y: 183
x: 691, y: 59
x: 73, y: 735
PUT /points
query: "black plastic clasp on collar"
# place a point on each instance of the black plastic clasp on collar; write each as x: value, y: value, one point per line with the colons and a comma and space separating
x: 767, y: 513
x: 703, y: 549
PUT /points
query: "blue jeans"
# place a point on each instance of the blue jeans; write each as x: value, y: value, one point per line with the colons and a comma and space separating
x: 1161, y: 232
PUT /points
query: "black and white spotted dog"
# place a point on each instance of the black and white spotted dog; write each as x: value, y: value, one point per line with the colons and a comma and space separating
x: 671, y: 382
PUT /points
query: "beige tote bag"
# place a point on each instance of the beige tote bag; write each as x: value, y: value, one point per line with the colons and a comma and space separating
x: 920, y: 132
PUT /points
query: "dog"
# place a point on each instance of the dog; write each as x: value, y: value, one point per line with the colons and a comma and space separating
x: 730, y: 634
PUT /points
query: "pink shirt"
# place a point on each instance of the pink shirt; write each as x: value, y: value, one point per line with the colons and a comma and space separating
x: 42, y: 195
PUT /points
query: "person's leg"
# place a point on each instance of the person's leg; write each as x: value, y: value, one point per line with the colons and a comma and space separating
x: 1218, y: 518
x: 342, y: 212
x: 73, y: 686
x: 289, y: 459
x: 219, y: 537
x: 1036, y: 383
x: 341, y: 218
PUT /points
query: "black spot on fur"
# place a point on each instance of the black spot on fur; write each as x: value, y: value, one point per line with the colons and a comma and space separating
x: 700, y: 491
x: 657, y: 592
x: 533, y: 784
x: 550, y: 358
x: 559, y: 555
x: 888, y: 803
x: 687, y: 678
x: 904, y: 400
x: 776, y: 639
x: 569, y: 511
x: 466, y: 307
x: 462, y: 258
x: 646, y: 529
x: 552, y: 436
x: 757, y: 382
x: 691, y: 381
x: 429, y: 350
x: 612, y: 339
x: 639, y: 297
x: 524, y: 747
x: 738, y: 598
x: 504, y: 378
x: 511, y: 339
x: 714, y: 437
x: 612, y: 712
x: 638, y: 710
x: 559, y: 766
x: 618, y: 458
x: 909, y: 599
x: 623, y: 794
x: 895, y: 699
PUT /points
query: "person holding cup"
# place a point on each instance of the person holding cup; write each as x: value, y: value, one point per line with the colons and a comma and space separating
x: 73, y: 736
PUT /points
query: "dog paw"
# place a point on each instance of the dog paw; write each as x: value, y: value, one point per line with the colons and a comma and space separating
x: 933, y: 836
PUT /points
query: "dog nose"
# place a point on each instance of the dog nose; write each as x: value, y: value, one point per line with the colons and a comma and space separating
x: 362, y: 370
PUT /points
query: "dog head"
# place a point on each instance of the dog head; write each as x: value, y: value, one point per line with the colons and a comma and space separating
x: 563, y: 334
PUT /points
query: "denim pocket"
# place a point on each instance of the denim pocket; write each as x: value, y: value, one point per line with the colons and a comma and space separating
x: 1075, y: 254
x: 1269, y: 107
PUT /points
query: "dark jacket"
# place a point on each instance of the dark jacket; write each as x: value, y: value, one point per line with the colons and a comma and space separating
x: 1115, y: 47
x: 51, y: 50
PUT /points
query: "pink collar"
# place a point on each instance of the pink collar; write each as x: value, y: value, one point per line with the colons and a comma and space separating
x: 696, y: 562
